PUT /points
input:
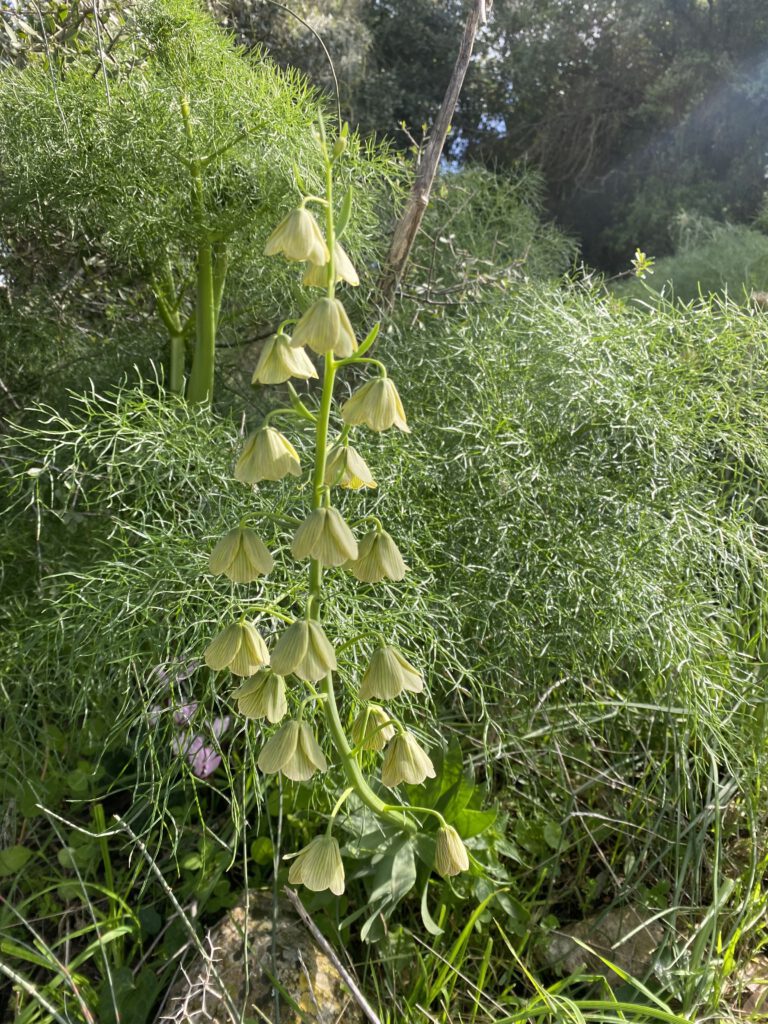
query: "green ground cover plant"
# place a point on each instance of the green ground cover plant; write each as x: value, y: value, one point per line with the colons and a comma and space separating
x: 605, y: 467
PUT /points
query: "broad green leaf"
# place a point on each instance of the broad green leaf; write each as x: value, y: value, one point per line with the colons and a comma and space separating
x: 395, y: 873
x: 13, y: 859
x: 470, y: 823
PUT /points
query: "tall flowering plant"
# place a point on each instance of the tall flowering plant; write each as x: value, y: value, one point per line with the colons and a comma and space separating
x: 303, y: 652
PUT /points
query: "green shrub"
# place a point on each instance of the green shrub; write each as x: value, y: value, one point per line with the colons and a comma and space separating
x: 710, y: 258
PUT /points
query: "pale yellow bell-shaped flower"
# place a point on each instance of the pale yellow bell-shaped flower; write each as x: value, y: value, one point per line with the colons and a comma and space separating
x: 304, y: 651
x: 378, y: 559
x: 325, y: 327
x: 239, y: 648
x: 319, y: 866
x: 241, y: 555
x: 343, y: 270
x: 298, y: 237
x: 451, y: 857
x: 405, y: 761
x: 280, y: 359
x: 262, y: 696
x: 324, y: 535
x: 376, y: 405
x: 372, y: 729
x: 347, y: 468
x: 294, y: 751
x: 389, y: 673
x: 267, y: 455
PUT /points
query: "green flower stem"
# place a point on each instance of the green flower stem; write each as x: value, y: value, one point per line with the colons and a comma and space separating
x: 352, y: 360
x: 352, y: 769
x: 298, y: 405
x: 288, y: 410
x: 422, y: 810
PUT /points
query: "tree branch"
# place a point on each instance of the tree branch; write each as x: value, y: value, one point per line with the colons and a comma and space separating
x: 407, y: 227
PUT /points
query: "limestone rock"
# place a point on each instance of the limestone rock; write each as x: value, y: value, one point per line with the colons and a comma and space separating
x: 302, y: 969
x: 620, y: 936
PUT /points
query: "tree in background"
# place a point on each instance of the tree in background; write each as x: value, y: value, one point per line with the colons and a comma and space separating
x: 633, y: 111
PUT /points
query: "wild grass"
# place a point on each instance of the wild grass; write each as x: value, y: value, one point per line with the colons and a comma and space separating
x: 581, y: 505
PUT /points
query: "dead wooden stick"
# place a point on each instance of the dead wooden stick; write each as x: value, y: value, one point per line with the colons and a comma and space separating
x: 407, y: 227
x: 327, y: 948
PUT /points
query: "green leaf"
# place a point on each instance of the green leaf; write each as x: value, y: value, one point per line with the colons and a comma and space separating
x: 429, y: 922
x: 299, y: 180
x: 13, y: 859
x: 553, y: 835
x: 470, y: 823
x: 128, y: 1000
x: 344, y: 213
x: 395, y: 873
x: 262, y: 851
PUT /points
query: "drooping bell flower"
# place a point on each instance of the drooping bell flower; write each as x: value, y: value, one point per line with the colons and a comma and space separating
x: 451, y: 857
x: 325, y: 327
x: 304, y: 651
x: 319, y: 866
x: 262, y: 696
x: 294, y: 751
x: 241, y: 555
x: 298, y: 237
x: 372, y: 729
x: 378, y: 559
x: 389, y: 673
x: 280, y: 360
x: 345, y: 467
x: 376, y: 405
x: 405, y: 761
x: 324, y: 535
x: 317, y: 277
x: 239, y: 648
x: 267, y: 455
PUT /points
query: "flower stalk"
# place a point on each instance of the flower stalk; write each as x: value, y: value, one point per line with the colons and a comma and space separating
x: 303, y: 651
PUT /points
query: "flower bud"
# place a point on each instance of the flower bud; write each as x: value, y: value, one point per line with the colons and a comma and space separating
x: 339, y: 146
x: 319, y: 866
x: 343, y: 270
x: 304, y: 651
x: 239, y: 648
x: 294, y: 751
x: 388, y: 674
x: 298, y: 237
x: 325, y: 327
x: 378, y: 559
x: 347, y: 468
x: 263, y: 696
x: 451, y: 856
x: 267, y: 455
x: 242, y: 556
x: 372, y: 729
x: 405, y: 761
x: 325, y: 536
x: 376, y: 405
x: 281, y: 359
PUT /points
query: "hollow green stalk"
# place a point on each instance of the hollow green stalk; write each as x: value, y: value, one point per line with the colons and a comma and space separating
x: 200, y: 388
